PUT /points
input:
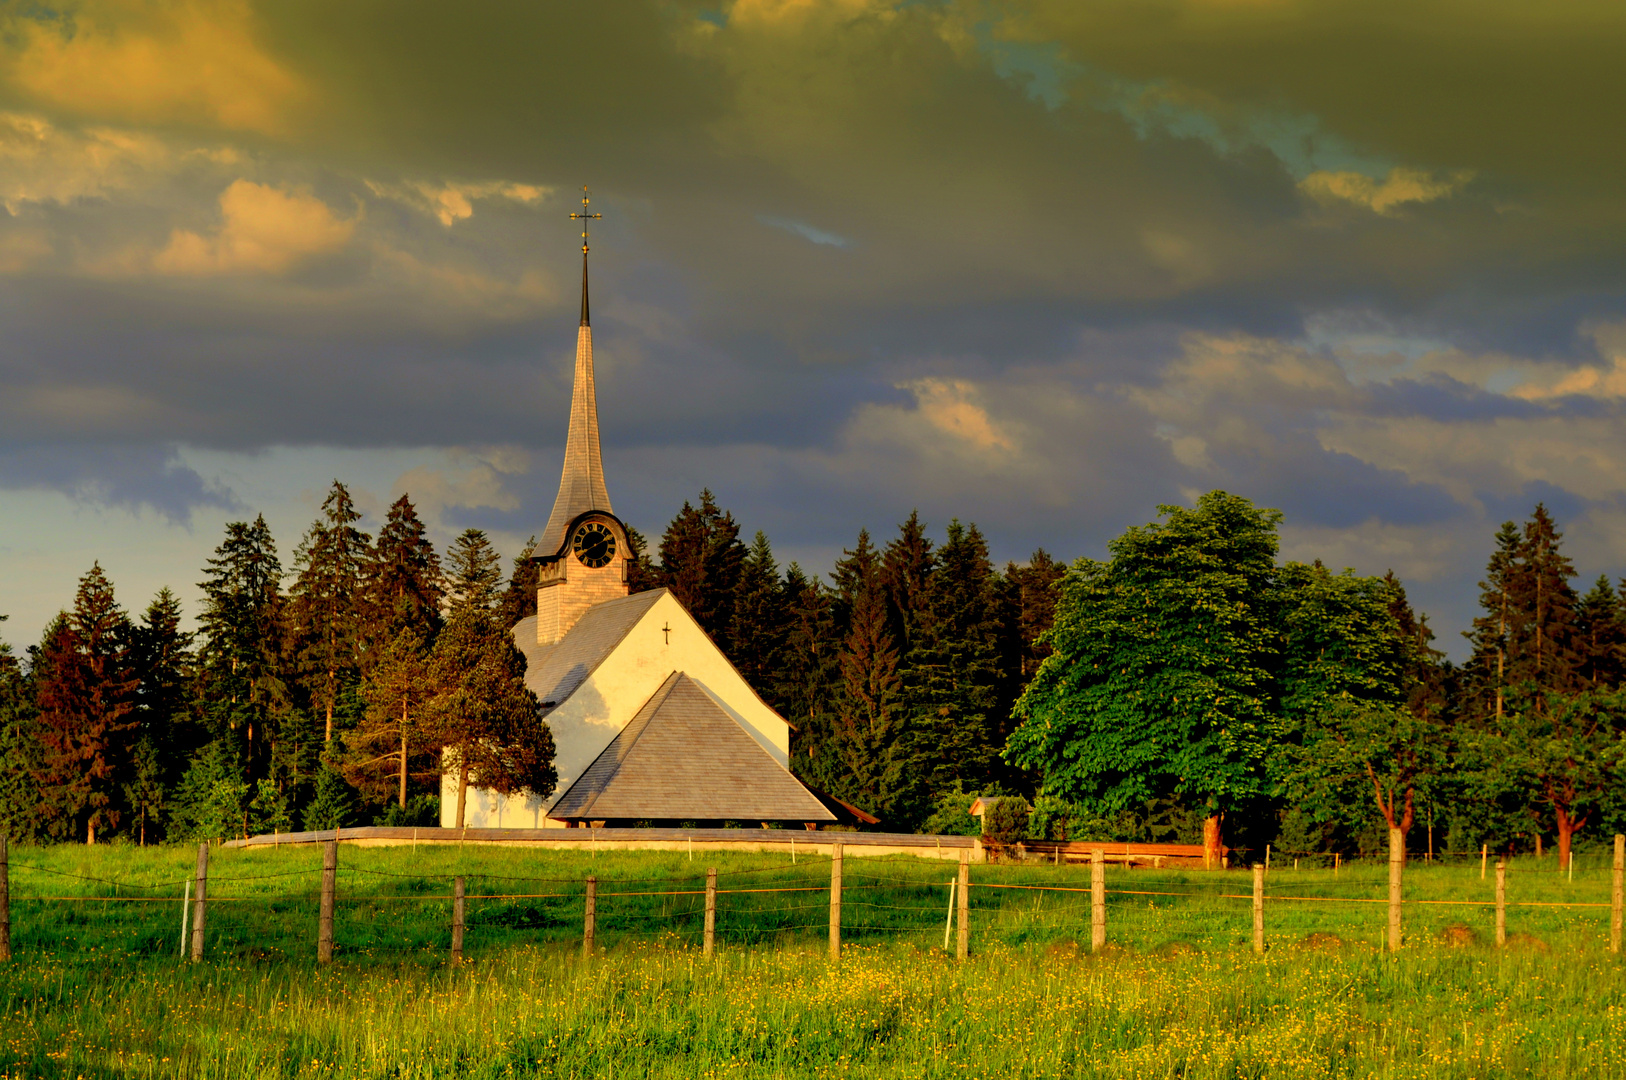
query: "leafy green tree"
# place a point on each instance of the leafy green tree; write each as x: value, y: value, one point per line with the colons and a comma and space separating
x: 86, y: 696
x: 701, y: 561
x: 326, y: 608
x: 1161, y: 678
x: 1352, y: 721
x: 489, y: 723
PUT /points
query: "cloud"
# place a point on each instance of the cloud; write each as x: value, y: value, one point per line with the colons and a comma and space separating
x: 476, y: 478
x: 454, y: 202
x: 42, y: 163
x: 131, y: 476
x: 805, y: 231
x: 951, y: 406
x: 149, y: 62
x: 265, y: 230
x: 1401, y: 186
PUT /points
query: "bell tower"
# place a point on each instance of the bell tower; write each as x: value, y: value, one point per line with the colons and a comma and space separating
x: 582, y: 557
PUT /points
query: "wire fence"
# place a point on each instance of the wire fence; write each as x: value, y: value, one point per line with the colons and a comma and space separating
x: 370, y: 912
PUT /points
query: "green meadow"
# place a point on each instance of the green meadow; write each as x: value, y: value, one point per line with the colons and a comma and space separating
x: 96, y: 988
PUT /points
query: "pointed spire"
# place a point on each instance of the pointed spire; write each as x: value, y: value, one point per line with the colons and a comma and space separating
x: 581, y: 486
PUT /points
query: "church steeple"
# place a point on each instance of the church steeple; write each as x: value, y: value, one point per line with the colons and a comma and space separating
x: 581, y: 487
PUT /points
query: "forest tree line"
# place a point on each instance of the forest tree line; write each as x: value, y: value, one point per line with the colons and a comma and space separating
x: 1189, y: 683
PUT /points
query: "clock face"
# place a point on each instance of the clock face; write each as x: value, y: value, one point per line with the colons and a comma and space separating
x: 594, y: 545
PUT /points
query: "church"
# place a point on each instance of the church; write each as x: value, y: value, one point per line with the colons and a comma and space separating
x: 651, y: 722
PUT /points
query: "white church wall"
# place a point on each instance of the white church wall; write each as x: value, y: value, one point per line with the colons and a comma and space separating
x: 665, y: 640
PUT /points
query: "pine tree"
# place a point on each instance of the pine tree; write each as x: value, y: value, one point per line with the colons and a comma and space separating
x: 86, y: 700
x: 1031, y: 593
x: 642, y: 575
x: 489, y: 723
x: 701, y: 560
x: 473, y: 569
x: 1547, y: 655
x: 390, y: 748
x: 334, y: 804
x: 242, y: 663
x: 404, y: 583
x: 761, y: 621
x: 211, y: 801
x: 872, y: 734
x: 326, y: 607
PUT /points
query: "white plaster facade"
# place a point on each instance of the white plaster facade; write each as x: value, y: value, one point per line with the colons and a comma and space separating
x: 665, y: 639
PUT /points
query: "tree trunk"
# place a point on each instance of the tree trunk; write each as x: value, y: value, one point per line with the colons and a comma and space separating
x: 90, y: 830
x: 1211, y: 840
x: 403, y: 754
x: 329, y: 736
x: 1567, y: 828
x: 462, y: 785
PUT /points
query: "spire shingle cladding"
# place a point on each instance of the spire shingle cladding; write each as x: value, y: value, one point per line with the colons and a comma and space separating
x: 581, y: 487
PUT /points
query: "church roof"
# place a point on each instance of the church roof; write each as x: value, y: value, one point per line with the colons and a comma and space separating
x: 581, y: 484
x: 682, y: 756
x: 555, y: 671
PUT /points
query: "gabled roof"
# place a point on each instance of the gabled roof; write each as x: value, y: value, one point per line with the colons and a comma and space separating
x: 556, y: 671
x: 684, y: 757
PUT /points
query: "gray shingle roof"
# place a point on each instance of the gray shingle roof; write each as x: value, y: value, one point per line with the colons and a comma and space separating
x: 556, y: 671
x: 684, y: 757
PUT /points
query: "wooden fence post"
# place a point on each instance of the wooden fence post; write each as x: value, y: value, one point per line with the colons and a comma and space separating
x: 458, y: 893
x: 1501, y: 903
x: 324, y: 919
x: 1258, y: 908
x: 1397, y: 864
x: 962, y: 946
x: 1616, y: 893
x: 1098, y: 900
x: 835, y: 901
x: 1484, y: 854
x: 200, y: 900
x: 186, y: 912
x: 711, y: 910
x: 5, y: 899
x: 589, y: 916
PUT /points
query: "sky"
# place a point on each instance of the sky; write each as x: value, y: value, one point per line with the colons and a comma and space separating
x: 1042, y: 265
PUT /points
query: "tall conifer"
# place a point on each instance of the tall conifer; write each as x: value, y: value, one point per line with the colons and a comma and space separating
x: 701, y: 560
x: 327, y: 604
x: 404, y: 582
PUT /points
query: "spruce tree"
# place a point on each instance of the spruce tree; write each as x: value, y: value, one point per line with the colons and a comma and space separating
x: 327, y: 605
x: 519, y: 598
x: 242, y: 662
x: 642, y: 575
x: 1492, y: 632
x: 951, y: 674
x: 404, y: 583
x: 20, y: 816
x: 807, y: 678
x: 871, y: 733
x: 86, y: 696
x: 761, y: 619
x: 165, y: 669
x: 701, y: 561
x: 473, y: 569
x: 906, y: 569
x: 1600, y: 632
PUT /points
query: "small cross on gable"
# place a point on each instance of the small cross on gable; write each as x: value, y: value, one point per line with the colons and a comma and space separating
x: 667, y: 630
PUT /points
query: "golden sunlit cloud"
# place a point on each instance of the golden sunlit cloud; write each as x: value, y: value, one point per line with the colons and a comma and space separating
x: 265, y: 230
x: 454, y: 202
x: 1402, y: 185
x: 949, y: 406
x: 145, y: 62
x: 42, y: 163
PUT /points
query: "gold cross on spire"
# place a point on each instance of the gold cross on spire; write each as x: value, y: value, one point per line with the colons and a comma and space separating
x: 584, y: 217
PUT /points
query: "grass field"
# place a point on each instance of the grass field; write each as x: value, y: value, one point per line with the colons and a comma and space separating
x: 96, y: 989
